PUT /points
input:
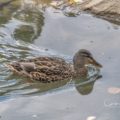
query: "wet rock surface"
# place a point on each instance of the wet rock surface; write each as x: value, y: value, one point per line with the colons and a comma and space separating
x: 106, y: 9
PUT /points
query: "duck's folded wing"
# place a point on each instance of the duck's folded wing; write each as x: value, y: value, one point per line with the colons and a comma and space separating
x: 21, y: 67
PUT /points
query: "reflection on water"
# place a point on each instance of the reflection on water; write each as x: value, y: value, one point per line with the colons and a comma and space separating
x: 85, y: 86
x: 13, y: 85
x: 33, y: 21
x: 22, y: 22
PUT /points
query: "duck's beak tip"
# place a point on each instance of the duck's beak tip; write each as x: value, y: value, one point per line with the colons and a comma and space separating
x: 98, y: 65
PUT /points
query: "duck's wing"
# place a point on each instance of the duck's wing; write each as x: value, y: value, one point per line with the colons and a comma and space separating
x: 51, y: 69
x: 21, y: 68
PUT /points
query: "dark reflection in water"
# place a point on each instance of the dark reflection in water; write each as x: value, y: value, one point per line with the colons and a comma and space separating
x: 26, y: 20
x: 7, y: 9
x: 85, y: 87
x: 33, y: 22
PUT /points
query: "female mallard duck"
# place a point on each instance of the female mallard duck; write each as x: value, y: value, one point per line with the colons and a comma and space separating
x: 47, y: 69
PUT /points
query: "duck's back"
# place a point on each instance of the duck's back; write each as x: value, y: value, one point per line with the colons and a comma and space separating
x: 44, y: 69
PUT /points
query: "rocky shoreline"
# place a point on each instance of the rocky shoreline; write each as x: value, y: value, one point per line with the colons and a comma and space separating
x: 109, y: 10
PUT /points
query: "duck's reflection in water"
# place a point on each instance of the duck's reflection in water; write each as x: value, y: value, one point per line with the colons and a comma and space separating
x: 86, y: 87
x: 83, y: 86
x: 25, y: 86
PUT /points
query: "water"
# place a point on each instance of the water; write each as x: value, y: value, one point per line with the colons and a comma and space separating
x: 33, y: 28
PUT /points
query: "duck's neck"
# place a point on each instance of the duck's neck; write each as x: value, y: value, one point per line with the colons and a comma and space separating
x: 79, y: 62
x: 79, y: 66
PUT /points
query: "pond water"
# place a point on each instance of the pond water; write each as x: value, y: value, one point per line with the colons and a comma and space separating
x: 30, y: 28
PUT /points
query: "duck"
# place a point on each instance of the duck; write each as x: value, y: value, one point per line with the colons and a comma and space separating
x: 48, y: 69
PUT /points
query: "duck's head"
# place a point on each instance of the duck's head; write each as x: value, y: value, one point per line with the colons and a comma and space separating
x: 84, y: 57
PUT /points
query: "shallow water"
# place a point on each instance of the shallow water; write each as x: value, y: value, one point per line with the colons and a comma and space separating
x: 35, y: 28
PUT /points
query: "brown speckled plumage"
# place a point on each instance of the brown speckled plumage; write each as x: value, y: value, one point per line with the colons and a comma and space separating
x: 51, y: 69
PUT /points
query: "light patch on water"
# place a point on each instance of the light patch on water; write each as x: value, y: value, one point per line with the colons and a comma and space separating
x: 34, y: 116
x: 114, y: 90
x: 22, y: 91
x: 4, y: 84
x: 91, y: 118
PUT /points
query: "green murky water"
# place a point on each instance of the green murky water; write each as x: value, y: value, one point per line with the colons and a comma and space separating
x: 30, y: 28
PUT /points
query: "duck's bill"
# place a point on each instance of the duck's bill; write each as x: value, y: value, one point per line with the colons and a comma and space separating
x: 96, y: 64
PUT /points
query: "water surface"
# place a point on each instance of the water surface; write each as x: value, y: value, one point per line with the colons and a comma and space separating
x: 36, y: 28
